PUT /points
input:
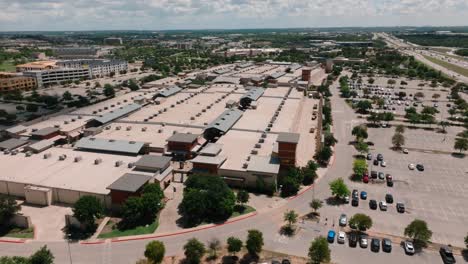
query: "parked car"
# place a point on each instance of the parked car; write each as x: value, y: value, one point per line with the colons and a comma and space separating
x: 405, y: 151
x: 363, y: 241
x: 386, y: 245
x: 373, y: 174
x: 285, y: 261
x: 331, y: 236
x: 365, y: 179
x: 341, y: 237
x: 363, y: 195
x: 389, y: 198
x: 355, y: 202
x: 352, y: 239
x: 447, y: 255
x: 343, y: 220
x: 420, y: 167
x: 383, y: 163
x: 379, y: 157
x: 355, y: 194
x: 381, y: 176
x: 411, y: 166
x: 275, y: 262
x: 375, y: 245
x: 400, y: 207
x: 409, y: 248
x: 383, y: 206
x: 389, y: 180
x: 369, y: 156
x: 373, y: 204
x: 376, y: 162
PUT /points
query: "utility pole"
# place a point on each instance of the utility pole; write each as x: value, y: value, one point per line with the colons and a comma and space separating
x: 69, y: 250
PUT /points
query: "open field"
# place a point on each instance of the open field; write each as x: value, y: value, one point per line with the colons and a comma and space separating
x: 450, y: 66
x: 7, y: 66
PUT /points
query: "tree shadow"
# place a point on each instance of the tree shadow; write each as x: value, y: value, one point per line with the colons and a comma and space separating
x: 355, y: 178
x: 248, y: 258
x: 458, y: 155
x: 333, y: 201
x: 287, y: 230
x: 465, y: 254
x: 229, y: 259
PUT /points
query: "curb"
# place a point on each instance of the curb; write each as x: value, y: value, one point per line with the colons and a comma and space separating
x: 12, y: 241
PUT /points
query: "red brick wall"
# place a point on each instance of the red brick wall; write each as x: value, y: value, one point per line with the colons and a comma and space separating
x: 213, y: 169
x: 119, y: 197
x: 287, y: 154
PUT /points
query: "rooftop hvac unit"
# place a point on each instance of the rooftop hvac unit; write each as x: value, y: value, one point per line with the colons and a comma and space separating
x: 14, y: 152
x: 261, y: 140
x: 160, y: 130
x: 199, y: 114
x: 163, y: 124
x: 99, y: 110
x: 270, y: 125
x: 160, y: 111
x: 73, y: 120
x: 118, y: 103
x: 77, y: 159
x: 145, y: 120
x: 118, y: 127
x: 172, y: 106
x: 132, y: 97
x: 144, y: 129
x: 97, y: 161
x: 118, y: 163
x: 177, y: 102
x: 6, y: 152
x: 80, y: 117
x: 205, y: 123
x: 203, y: 110
x: 254, y: 152
x: 94, y: 112
x: 105, y: 107
x: 129, y: 128
x: 208, y: 107
x: 28, y: 154
x: 164, y: 109
x: 58, y: 126
x: 130, y: 165
x: 192, y: 118
x: 267, y: 129
x: 65, y: 122
x: 34, y: 130
x: 62, y: 157
x: 174, y: 132
x: 264, y: 135
x: 108, y: 127
x: 248, y: 158
x: 47, y: 155
x: 258, y: 145
x: 112, y: 105
x: 125, y: 100
x: 245, y: 165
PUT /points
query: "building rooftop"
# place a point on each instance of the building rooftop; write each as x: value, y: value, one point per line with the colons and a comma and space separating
x: 226, y: 120
x: 38, y: 64
x: 216, y: 160
x: 117, y: 113
x: 153, y: 162
x: 288, y: 138
x: 211, y: 149
x: 16, y: 129
x: 109, y: 145
x: 171, y: 90
x: 129, y: 182
x: 12, y: 143
x: 40, y: 145
x: 183, y: 138
x: 45, y: 131
x: 226, y: 79
x: 264, y: 164
x: 254, y: 93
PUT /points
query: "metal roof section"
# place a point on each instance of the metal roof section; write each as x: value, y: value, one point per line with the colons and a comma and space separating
x: 153, y: 162
x: 109, y: 145
x: 12, y: 143
x: 222, y: 71
x: 226, y: 120
x: 227, y: 79
x: 211, y: 149
x: 288, y: 138
x: 263, y: 164
x: 276, y: 75
x: 16, y: 129
x: 129, y: 182
x: 216, y: 160
x: 45, y: 131
x: 116, y: 114
x: 166, y: 92
x: 41, y: 145
x: 183, y: 138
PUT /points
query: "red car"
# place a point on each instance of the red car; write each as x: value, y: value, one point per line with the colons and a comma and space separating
x: 365, y: 179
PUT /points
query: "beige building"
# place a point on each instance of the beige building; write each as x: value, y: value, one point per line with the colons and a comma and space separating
x: 36, y: 66
x: 11, y: 82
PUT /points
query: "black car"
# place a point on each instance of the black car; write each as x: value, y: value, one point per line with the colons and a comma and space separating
x: 353, y: 239
x: 420, y: 167
x: 447, y: 255
x: 376, y: 162
x: 369, y: 156
x: 285, y: 261
x: 355, y: 202
x: 355, y: 194
x: 375, y: 245
x: 373, y: 174
x: 400, y: 207
x: 379, y: 157
x: 389, y: 198
x: 373, y: 204
x: 386, y: 245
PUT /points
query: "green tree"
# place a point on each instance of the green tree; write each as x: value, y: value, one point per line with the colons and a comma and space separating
x: 8, y: 207
x: 466, y: 240
x: 155, y: 251
x: 362, y: 147
x: 391, y: 81
x: 435, y: 96
x: 370, y: 80
x: 418, y: 231
x: 339, y: 188
x: 400, y: 129
x: 87, y: 209
x: 361, y: 222
x: 132, y: 212
x: 242, y: 197
x: 359, y: 167
x: 324, y: 155
x: 254, y: 243
x: 290, y: 217
x: 291, y: 182
x: 194, y: 251
x: 364, y: 106
x: 419, y: 95
x: 316, y: 204
x: 461, y: 144
x: 398, y: 140
x: 67, y: 96
x: 109, y: 90
x: 42, y: 256
x: 214, y: 246
x: 329, y: 139
x: 319, y: 251
x: 309, y: 172
x: 360, y: 132
x: 234, y: 245
x: 32, y: 108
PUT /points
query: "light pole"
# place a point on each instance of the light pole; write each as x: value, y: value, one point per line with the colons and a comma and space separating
x: 69, y: 250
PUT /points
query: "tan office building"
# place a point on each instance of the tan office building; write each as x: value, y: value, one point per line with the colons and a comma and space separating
x: 11, y: 82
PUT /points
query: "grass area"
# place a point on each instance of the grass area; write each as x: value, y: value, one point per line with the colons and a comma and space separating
x: 450, y: 66
x: 139, y: 230
x: 238, y: 210
x: 7, y: 66
x: 20, y: 233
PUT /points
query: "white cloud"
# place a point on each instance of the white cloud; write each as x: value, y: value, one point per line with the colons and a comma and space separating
x: 162, y: 14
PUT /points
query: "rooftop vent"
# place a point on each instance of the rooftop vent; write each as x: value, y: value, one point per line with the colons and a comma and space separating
x: 118, y: 163
x: 97, y: 161
x: 47, y: 155
x: 62, y: 157
x: 77, y: 159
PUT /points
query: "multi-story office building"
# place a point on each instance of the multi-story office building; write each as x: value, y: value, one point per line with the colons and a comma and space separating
x: 11, y: 82
x: 98, y: 68
x: 75, y: 52
x: 56, y: 76
x: 36, y: 66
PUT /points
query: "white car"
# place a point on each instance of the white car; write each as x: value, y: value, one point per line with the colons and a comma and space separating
x: 341, y: 237
x: 405, y: 151
x: 411, y: 166
x: 383, y: 163
x: 363, y: 242
x: 409, y: 248
x: 383, y: 206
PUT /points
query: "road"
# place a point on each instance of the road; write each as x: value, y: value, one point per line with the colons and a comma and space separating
x: 269, y: 222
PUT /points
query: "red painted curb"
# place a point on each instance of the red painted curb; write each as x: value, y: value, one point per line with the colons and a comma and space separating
x: 12, y: 241
x: 301, y: 193
x: 92, y: 243
x: 184, y: 232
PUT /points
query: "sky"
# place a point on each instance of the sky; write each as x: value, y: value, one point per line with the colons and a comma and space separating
x: 17, y: 15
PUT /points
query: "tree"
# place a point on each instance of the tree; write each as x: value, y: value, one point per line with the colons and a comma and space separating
x: 290, y: 217
x: 87, y: 209
x: 133, y: 85
x: 142, y: 210
x: 435, y: 96
x: 309, y: 172
x: 112, y: 74
x: 155, y: 251
x: 324, y: 155
x: 400, y: 129
x: 194, y: 251
x: 362, y: 147
x: 363, y: 106
x: 242, y: 197
x: 361, y: 222
x: 360, y: 132
x: 444, y: 125
x: 419, y: 95
x: 42, y: 256
x: 466, y: 241
x: 329, y: 139
x: 32, y: 108
x: 418, y: 231
x: 97, y: 84
x: 109, y: 90
x: 319, y: 251
x: 67, y: 96
x: 316, y: 204
x: 214, y: 245
x: 234, y: 245
x: 254, y: 242
x: 359, y: 167
x: 370, y: 80
x: 131, y: 212
x: 391, y: 81
x: 8, y: 207
x: 452, y: 112
x: 339, y: 188
x: 461, y: 144
x: 398, y: 140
